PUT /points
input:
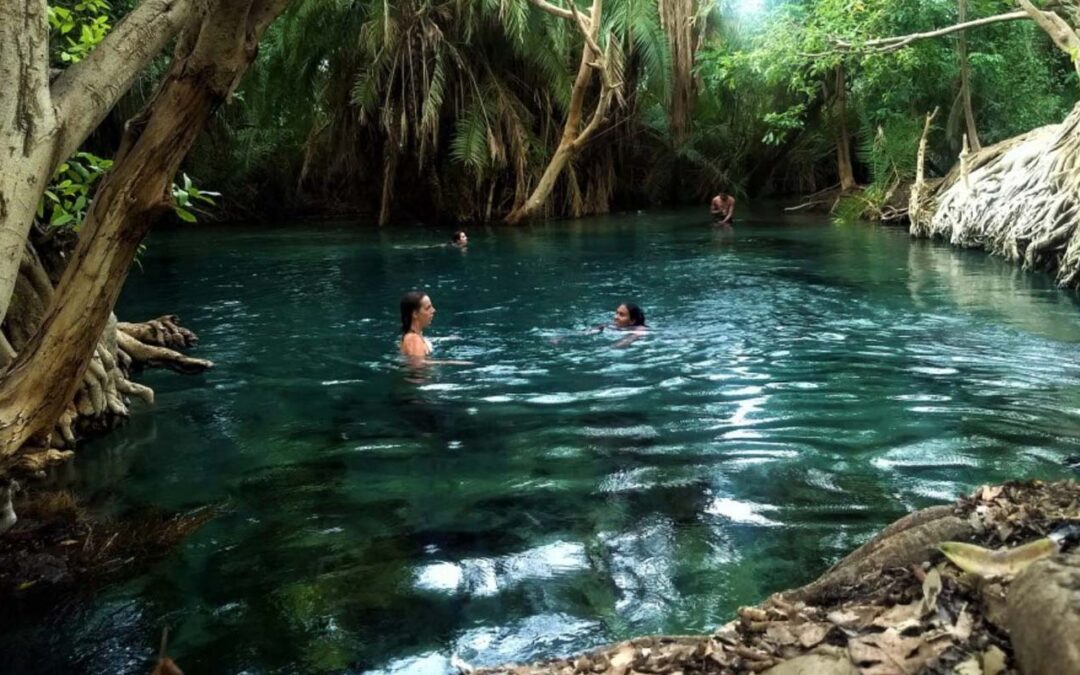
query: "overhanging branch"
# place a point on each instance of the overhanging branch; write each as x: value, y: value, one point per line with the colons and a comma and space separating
x: 85, y: 92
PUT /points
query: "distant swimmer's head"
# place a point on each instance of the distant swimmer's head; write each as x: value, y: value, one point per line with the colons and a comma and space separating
x: 416, y: 311
x: 460, y: 238
x: 628, y: 315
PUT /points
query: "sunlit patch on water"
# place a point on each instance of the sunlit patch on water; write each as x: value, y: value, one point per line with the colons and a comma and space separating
x: 746, y: 513
x: 487, y: 576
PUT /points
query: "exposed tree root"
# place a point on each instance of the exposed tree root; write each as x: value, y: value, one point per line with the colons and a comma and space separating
x: 102, y: 402
x: 1018, y: 199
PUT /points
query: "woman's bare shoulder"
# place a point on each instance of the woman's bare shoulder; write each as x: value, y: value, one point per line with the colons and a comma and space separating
x: 411, y: 343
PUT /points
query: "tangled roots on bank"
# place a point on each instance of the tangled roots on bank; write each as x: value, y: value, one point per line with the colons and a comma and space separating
x: 1019, y: 199
x: 102, y: 401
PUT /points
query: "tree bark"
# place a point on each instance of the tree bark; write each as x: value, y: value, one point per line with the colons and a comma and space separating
x: 678, y: 18
x: 210, y: 57
x: 42, y: 125
x: 965, y: 82
x: 843, y: 138
x: 27, y: 128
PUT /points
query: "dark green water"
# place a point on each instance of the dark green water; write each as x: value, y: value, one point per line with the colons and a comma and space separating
x: 804, y: 384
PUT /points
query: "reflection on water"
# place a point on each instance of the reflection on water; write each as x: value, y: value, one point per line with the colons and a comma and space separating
x: 803, y: 384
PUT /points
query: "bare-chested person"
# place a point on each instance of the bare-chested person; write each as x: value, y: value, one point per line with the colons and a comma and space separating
x: 722, y: 208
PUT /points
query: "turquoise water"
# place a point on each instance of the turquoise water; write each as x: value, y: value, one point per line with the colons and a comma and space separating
x: 803, y: 384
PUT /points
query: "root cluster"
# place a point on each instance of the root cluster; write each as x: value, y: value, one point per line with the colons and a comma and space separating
x: 1019, y: 199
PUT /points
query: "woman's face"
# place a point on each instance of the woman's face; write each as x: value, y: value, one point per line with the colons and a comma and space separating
x: 622, y: 316
x: 425, y: 314
x: 463, y: 240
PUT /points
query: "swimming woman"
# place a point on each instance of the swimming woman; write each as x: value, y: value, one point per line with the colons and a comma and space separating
x: 417, y: 312
x: 460, y: 239
x: 630, y: 318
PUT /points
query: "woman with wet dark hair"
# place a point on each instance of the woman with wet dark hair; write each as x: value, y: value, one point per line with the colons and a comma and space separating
x: 631, y: 319
x: 629, y: 315
x: 459, y: 239
x: 417, y: 313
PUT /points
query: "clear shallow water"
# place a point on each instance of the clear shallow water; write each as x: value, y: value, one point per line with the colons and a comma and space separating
x: 803, y: 385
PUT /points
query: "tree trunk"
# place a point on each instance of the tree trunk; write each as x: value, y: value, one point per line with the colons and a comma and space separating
x: 390, y: 162
x: 573, y: 136
x: 27, y: 128
x: 678, y: 18
x: 965, y: 83
x: 207, y: 65
x: 41, y: 125
x: 843, y: 138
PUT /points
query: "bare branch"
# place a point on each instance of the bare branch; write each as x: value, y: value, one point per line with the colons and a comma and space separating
x: 554, y: 9
x: 589, y: 30
x: 85, y: 92
x: 889, y: 44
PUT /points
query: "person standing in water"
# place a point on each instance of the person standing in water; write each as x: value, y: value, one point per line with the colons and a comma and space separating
x: 417, y: 313
x: 722, y: 209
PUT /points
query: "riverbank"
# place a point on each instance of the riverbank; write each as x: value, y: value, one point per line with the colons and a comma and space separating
x: 896, y: 605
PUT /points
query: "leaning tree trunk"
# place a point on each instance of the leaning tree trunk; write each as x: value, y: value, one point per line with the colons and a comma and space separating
x: 1019, y: 199
x: 209, y: 60
x: 574, y: 137
x: 101, y: 400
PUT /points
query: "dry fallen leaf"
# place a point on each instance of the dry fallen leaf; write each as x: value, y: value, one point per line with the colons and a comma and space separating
x: 989, y: 494
x: 961, y: 630
x: 780, y: 634
x: 931, y: 588
x: 890, y: 653
x: 969, y: 667
x: 623, y: 657
x: 994, y: 564
x: 810, y: 634
x: 855, y: 616
x: 993, y: 661
x: 898, y: 615
x: 822, y: 661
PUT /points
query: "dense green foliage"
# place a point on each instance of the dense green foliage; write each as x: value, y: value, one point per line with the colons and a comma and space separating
x: 450, y: 109
x: 75, y: 29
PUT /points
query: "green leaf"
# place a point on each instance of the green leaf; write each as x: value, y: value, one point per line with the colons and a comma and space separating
x: 185, y: 215
x: 61, y: 218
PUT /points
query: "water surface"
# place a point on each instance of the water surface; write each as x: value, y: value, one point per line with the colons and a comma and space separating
x: 803, y: 385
